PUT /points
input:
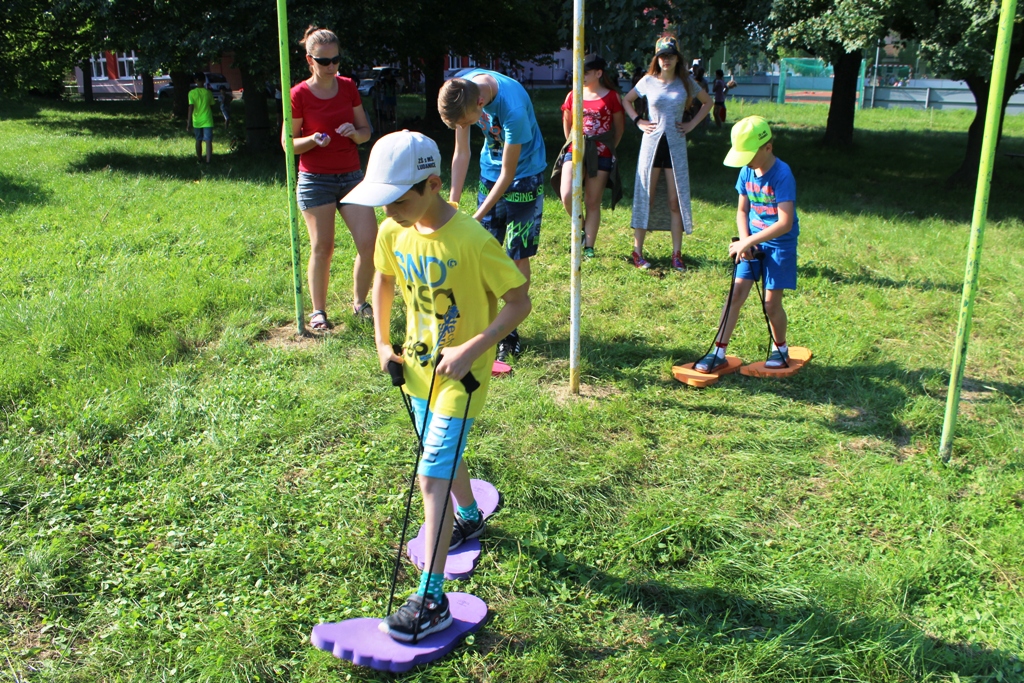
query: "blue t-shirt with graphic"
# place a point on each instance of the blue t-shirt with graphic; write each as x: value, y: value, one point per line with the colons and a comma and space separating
x: 509, y: 118
x: 765, y: 194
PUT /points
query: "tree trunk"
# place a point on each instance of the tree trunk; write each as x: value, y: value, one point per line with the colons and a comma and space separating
x: 181, y: 82
x: 967, y: 173
x: 147, y: 87
x: 86, y: 68
x: 433, y: 74
x: 843, y: 107
x: 258, y: 135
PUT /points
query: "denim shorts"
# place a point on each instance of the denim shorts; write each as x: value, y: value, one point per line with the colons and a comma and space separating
x: 778, y: 268
x: 603, y: 163
x: 203, y: 134
x: 515, y: 219
x: 317, y: 189
x: 441, y: 444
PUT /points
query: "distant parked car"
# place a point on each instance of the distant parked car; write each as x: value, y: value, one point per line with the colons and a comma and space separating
x: 214, y: 82
x: 367, y: 84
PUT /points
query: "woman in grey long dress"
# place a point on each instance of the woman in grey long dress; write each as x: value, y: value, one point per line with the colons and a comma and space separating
x: 661, y: 194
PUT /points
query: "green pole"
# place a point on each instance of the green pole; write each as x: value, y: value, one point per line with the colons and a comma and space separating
x: 988, y: 151
x: 861, y: 84
x: 781, y: 97
x: 289, y: 156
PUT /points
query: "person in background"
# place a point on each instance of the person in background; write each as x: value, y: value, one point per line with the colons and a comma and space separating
x: 328, y: 122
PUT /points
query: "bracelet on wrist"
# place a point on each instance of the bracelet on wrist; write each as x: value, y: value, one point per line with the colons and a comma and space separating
x: 636, y: 119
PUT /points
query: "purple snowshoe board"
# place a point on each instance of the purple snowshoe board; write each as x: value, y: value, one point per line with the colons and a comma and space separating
x: 361, y: 642
x: 461, y: 561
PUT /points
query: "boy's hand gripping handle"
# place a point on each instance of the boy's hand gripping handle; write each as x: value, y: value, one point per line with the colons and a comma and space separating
x: 395, y: 369
x: 468, y: 380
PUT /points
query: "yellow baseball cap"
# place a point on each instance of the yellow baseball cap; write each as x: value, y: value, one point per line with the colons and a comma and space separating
x: 747, y: 137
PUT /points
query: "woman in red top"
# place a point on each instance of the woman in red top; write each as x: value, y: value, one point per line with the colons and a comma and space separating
x: 602, y: 115
x: 328, y: 122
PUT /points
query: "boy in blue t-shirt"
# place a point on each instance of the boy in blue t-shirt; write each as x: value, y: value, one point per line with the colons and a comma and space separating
x: 510, y: 199
x: 765, y: 218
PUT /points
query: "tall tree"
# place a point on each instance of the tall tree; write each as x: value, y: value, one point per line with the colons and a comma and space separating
x: 41, y: 40
x: 837, y: 31
x: 958, y: 37
x: 424, y: 31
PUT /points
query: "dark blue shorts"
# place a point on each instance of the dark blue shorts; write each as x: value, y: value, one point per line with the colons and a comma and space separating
x: 778, y: 267
x: 203, y: 134
x: 603, y: 163
x: 515, y: 219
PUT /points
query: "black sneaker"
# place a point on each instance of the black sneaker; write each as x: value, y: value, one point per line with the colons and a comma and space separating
x: 432, y: 616
x: 465, y: 530
x: 509, y: 346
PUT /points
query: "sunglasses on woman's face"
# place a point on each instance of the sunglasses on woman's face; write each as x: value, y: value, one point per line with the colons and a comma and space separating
x: 324, y: 61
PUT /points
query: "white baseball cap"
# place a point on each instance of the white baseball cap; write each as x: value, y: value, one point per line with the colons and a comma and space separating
x: 397, y: 162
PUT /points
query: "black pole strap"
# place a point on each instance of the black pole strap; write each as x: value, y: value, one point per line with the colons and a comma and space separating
x: 471, y: 384
x: 764, y: 308
x: 728, y: 304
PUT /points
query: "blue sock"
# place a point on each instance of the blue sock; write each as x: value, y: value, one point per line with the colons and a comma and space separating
x: 470, y: 513
x: 431, y: 584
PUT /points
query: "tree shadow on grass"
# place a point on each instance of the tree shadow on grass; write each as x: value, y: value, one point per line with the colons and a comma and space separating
x: 816, y: 641
x: 864, y: 277
x: 868, y: 397
x: 16, y: 192
x: 260, y: 169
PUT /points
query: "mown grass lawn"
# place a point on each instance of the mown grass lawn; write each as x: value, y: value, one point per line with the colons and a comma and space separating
x: 185, y: 491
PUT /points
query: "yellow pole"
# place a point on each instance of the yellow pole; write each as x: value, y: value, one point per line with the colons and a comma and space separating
x: 577, y: 196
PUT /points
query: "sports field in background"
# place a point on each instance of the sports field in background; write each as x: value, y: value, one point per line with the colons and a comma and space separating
x: 185, y: 490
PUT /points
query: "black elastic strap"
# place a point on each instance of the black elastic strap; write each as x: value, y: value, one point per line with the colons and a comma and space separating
x: 471, y: 385
x: 764, y: 308
x: 728, y: 304
x: 407, y: 400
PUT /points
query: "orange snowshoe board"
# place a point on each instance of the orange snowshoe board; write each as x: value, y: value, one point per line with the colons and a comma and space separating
x: 798, y: 357
x: 687, y: 375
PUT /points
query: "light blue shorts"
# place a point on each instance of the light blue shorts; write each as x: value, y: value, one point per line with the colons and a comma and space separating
x: 441, y: 444
x: 203, y: 134
x: 778, y: 267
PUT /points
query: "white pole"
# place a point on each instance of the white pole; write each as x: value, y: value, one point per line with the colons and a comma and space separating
x: 577, y: 196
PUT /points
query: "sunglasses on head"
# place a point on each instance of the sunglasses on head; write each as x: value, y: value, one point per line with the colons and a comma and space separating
x: 324, y: 61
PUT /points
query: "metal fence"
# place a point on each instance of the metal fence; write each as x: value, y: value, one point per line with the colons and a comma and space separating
x: 945, y: 95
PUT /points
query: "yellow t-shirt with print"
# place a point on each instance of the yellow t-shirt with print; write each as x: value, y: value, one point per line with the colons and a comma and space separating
x: 451, y: 280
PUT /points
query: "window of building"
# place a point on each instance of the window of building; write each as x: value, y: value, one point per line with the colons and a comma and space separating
x: 126, y: 64
x: 99, y: 65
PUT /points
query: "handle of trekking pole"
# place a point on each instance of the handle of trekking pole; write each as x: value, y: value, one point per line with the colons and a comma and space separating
x: 395, y: 368
x: 470, y: 382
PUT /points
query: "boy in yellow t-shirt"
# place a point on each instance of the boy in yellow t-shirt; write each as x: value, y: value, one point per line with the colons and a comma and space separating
x: 451, y: 273
x: 200, y: 116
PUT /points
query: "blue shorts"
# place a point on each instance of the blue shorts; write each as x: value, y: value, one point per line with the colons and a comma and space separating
x: 203, y: 134
x: 441, y: 445
x: 317, y: 189
x: 515, y: 219
x: 778, y: 267
x: 603, y: 163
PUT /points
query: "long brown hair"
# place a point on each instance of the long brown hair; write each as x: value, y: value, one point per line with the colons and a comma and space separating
x: 681, y: 73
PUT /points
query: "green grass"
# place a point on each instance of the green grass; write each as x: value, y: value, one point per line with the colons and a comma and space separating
x: 184, y: 494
